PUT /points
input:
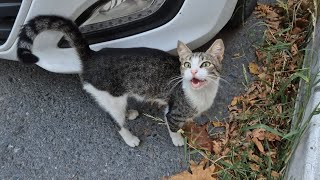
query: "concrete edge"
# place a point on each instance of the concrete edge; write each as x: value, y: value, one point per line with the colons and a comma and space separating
x: 305, y: 161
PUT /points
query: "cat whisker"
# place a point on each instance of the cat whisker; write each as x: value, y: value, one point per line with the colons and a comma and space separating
x: 212, y: 80
x: 225, y: 81
x: 213, y: 77
x: 176, y: 84
x: 220, y: 78
x: 174, y: 79
x: 222, y: 75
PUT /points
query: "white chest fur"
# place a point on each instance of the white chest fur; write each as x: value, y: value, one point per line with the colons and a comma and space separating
x: 202, y: 99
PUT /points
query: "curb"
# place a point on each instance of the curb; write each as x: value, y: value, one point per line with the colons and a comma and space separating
x: 305, y: 161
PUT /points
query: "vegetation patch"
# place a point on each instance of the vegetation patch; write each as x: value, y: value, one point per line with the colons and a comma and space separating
x: 259, y: 135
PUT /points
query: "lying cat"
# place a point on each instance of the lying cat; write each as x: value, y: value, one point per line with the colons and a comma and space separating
x: 186, y: 86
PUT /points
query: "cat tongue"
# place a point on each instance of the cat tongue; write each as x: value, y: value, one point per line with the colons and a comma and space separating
x: 196, y: 83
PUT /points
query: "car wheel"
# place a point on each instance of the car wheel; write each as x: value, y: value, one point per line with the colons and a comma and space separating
x: 242, y: 11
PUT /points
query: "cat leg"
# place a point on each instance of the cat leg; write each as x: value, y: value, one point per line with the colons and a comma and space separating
x: 132, y: 114
x: 116, y: 107
x: 176, y: 137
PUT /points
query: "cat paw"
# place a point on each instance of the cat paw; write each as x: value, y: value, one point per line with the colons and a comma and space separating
x: 133, y: 141
x: 132, y: 114
x: 177, y: 139
x: 130, y: 139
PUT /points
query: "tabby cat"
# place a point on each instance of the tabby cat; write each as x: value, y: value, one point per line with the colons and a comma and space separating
x: 185, y: 86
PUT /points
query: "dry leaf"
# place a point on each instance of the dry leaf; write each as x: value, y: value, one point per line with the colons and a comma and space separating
x: 306, y: 4
x: 270, y: 37
x: 272, y: 137
x: 262, y: 76
x: 258, y: 144
x: 279, y: 108
x: 271, y: 154
x: 251, y: 89
x: 301, y: 22
x: 252, y: 102
x: 296, y: 31
x: 217, y: 124
x: 254, y: 167
x: 234, y: 101
x: 271, y: 15
x: 233, y: 108
x: 260, y: 55
x: 263, y: 8
x: 226, y: 139
x: 259, y: 133
x: 294, y: 49
x: 254, y: 68
x: 274, y: 24
x: 261, y: 177
x: 252, y: 156
x: 275, y: 174
x: 251, y: 123
x: 225, y: 151
x: 199, y: 172
x: 290, y: 4
x: 198, y: 136
x: 217, y: 147
x: 233, y: 126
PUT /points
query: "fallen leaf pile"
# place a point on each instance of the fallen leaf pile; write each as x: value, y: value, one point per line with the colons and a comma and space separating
x: 198, y: 172
x: 256, y: 131
x: 198, y: 136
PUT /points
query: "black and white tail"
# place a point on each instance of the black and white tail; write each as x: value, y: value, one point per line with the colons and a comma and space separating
x: 56, y: 23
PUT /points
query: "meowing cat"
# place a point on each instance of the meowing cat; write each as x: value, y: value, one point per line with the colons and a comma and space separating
x: 186, y: 86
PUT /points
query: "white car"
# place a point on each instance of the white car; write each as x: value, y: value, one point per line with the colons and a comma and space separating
x: 118, y: 23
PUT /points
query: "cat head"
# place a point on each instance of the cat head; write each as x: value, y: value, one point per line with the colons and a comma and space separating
x: 201, y: 68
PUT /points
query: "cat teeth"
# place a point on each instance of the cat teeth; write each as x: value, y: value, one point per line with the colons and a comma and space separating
x: 197, y: 80
x: 197, y: 83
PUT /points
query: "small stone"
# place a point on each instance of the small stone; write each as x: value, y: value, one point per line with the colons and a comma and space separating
x: 15, y: 150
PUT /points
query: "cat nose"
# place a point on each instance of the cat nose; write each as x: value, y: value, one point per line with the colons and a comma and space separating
x: 194, y: 71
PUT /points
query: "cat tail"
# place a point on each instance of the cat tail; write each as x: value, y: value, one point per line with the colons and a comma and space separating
x: 39, y: 24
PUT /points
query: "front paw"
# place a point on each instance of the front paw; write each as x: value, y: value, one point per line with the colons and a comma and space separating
x: 133, y: 141
x: 130, y: 139
x: 177, y: 139
x: 132, y: 114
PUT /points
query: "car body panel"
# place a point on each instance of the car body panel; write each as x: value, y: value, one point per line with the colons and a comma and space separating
x: 195, y: 24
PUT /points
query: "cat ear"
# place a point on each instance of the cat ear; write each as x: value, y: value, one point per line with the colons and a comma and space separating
x: 217, y: 49
x: 183, y: 50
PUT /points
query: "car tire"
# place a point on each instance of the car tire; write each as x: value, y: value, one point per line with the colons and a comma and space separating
x: 242, y: 11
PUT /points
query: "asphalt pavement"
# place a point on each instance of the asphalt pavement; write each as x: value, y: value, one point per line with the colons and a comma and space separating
x: 51, y: 129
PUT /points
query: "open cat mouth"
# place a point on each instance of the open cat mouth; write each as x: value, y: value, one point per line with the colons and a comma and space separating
x: 197, y: 83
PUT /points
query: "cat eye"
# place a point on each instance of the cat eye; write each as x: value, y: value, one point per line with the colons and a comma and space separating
x: 187, y: 65
x: 205, y: 64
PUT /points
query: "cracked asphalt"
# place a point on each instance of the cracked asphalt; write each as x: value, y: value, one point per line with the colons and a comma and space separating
x: 51, y: 129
